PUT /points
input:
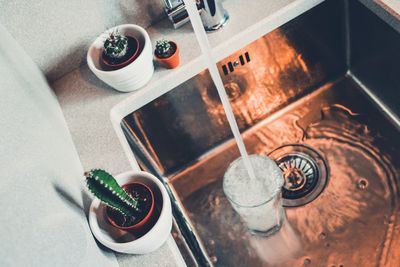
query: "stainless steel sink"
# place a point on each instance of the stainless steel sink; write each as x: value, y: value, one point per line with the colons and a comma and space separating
x: 347, y: 223
x: 310, y: 96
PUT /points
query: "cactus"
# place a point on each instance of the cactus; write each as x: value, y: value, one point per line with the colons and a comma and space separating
x: 116, y: 45
x: 105, y: 187
x: 163, y: 48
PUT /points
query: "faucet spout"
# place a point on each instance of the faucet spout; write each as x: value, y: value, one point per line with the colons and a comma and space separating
x: 213, y: 14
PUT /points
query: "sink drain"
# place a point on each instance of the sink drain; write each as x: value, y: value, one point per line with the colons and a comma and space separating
x: 305, y: 173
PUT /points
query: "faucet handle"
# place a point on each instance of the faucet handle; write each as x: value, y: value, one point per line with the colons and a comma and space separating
x: 171, y: 4
x: 212, y: 13
x: 177, y: 13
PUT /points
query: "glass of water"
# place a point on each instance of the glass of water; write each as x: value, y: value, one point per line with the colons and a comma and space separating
x: 257, y: 200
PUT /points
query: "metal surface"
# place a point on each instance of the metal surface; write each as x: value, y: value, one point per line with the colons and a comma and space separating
x: 352, y: 222
x: 305, y: 172
x: 293, y: 91
x: 187, y: 122
x: 176, y: 12
x: 212, y: 13
x: 374, y: 55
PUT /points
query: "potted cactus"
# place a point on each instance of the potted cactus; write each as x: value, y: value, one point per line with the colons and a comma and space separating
x: 122, y: 57
x: 130, y: 207
x: 167, y: 53
x: 113, y: 224
x: 119, y: 50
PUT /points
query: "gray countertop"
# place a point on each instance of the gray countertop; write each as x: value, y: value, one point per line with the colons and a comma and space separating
x: 86, y: 103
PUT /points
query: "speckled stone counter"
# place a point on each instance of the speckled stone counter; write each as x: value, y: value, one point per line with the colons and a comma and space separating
x: 86, y: 103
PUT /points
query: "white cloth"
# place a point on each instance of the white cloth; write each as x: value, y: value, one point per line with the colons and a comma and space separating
x: 42, y: 222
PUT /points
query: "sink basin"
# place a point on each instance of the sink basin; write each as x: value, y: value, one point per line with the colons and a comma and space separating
x: 318, y: 96
x: 353, y: 220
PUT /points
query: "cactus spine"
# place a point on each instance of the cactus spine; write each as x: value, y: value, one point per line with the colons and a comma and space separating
x: 105, y: 187
x: 115, y: 46
x: 162, y: 48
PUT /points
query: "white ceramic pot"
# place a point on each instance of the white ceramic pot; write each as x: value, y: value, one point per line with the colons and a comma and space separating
x: 123, y: 241
x: 133, y: 76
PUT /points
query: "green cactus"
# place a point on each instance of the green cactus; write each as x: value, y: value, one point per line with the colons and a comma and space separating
x: 116, y: 45
x: 105, y: 187
x: 163, y: 48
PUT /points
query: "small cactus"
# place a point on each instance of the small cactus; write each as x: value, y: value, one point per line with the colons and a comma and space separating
x: 163, y: 48
x: 116, y: 45
x: 105, y: 187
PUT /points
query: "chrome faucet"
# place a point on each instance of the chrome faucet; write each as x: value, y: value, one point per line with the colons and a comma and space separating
x: 212, y: 13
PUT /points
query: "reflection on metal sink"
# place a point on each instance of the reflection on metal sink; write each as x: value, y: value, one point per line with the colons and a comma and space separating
x: 305, y: 97
x: 347, y: 223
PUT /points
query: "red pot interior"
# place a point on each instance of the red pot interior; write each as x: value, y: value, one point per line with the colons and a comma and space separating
x: 110, y: 214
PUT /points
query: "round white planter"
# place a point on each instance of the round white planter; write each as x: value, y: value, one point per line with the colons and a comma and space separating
x: 131, y: 77
x: 123, y: 241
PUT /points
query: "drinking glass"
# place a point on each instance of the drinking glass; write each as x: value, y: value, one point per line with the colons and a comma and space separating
x: 257, y: 200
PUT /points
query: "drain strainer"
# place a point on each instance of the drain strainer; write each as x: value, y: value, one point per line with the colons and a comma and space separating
x: 305, y: 173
